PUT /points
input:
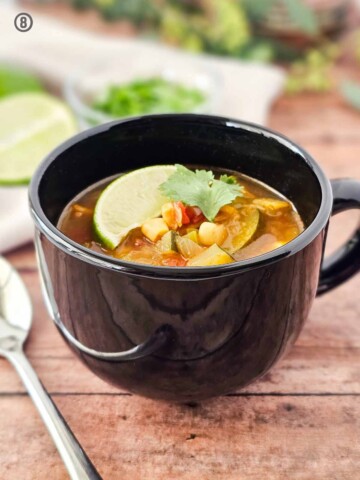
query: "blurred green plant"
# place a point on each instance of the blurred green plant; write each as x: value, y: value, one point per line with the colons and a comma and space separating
x: 257, y: 9
x: 226, y: 27
x: 177, y: 30
x: 219, y: 27
x: 313, y: 72
x: 351, y: 93
x: 136, y: 11
x: 299, y: 12
x: 230, y: 28
x: 223, y: 27
x: 302, y: 16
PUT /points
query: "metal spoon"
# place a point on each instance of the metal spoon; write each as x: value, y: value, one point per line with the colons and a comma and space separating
x: 15, y: 324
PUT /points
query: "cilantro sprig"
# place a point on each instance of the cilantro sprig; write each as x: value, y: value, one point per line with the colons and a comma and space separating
x: 199, y: 188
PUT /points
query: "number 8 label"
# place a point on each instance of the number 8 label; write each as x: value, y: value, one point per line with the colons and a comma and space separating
x: 23, y: 22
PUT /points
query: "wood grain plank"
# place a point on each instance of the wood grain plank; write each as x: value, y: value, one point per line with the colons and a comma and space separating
x: 310, y: 119
x: 304, y: 371
x: 318, y: 118
x: 337, y: 160
x: 231, y: 438
x: 23, y: 258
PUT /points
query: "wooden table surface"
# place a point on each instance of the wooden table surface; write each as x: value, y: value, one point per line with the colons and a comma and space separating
x: 302, y: 421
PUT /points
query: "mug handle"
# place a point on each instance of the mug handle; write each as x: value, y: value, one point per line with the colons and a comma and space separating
x: 344, y: 262
x: 157, y: 340
x: 153, y: 344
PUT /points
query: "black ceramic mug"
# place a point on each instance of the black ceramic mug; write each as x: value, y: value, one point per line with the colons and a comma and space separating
x: 187, y: 333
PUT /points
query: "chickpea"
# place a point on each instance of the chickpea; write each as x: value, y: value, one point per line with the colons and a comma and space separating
x: 210, y: 233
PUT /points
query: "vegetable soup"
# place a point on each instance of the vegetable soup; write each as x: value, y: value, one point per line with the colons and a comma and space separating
x: 201, y: 217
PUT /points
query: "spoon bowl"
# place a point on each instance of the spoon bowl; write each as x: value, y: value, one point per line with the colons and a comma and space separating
x: 15, y: 309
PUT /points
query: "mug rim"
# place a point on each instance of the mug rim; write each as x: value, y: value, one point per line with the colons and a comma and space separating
x: 178, y: 273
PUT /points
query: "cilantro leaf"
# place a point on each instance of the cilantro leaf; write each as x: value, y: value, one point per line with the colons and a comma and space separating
x: 201, y: 189
x: 228, y: 179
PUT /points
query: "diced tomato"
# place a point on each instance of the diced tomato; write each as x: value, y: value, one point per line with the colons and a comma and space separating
x: 195, y: 215
x: 185, y: 218
x: 174, y: 214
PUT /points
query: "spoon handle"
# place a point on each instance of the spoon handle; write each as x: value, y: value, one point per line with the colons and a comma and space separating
x: 75, y: 459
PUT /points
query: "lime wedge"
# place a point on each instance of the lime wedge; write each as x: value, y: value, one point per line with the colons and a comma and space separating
x: 128, y: 202
x: 31, y: 125
x: 15, y: 80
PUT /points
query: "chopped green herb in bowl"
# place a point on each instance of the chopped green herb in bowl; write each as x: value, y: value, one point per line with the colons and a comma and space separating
x: 153, y: 95
x: 103, y: 91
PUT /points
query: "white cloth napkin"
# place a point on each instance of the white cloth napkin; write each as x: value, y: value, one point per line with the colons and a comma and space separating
x: 15, y: 223
x: 54, y: 50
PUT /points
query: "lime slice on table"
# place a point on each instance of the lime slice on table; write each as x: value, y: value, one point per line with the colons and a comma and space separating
x: 15, y: 80
x: 31, y: 125
x: 128, y: 202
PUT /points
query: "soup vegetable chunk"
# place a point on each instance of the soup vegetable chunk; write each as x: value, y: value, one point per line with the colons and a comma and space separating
x: 170, y: 215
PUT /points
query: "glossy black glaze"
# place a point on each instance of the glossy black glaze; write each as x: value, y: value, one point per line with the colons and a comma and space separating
x: 229, y: 323
x: 345, y: 262
x: 229, y: 330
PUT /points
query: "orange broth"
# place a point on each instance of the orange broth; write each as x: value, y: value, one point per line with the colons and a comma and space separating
x: 277, y: 222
